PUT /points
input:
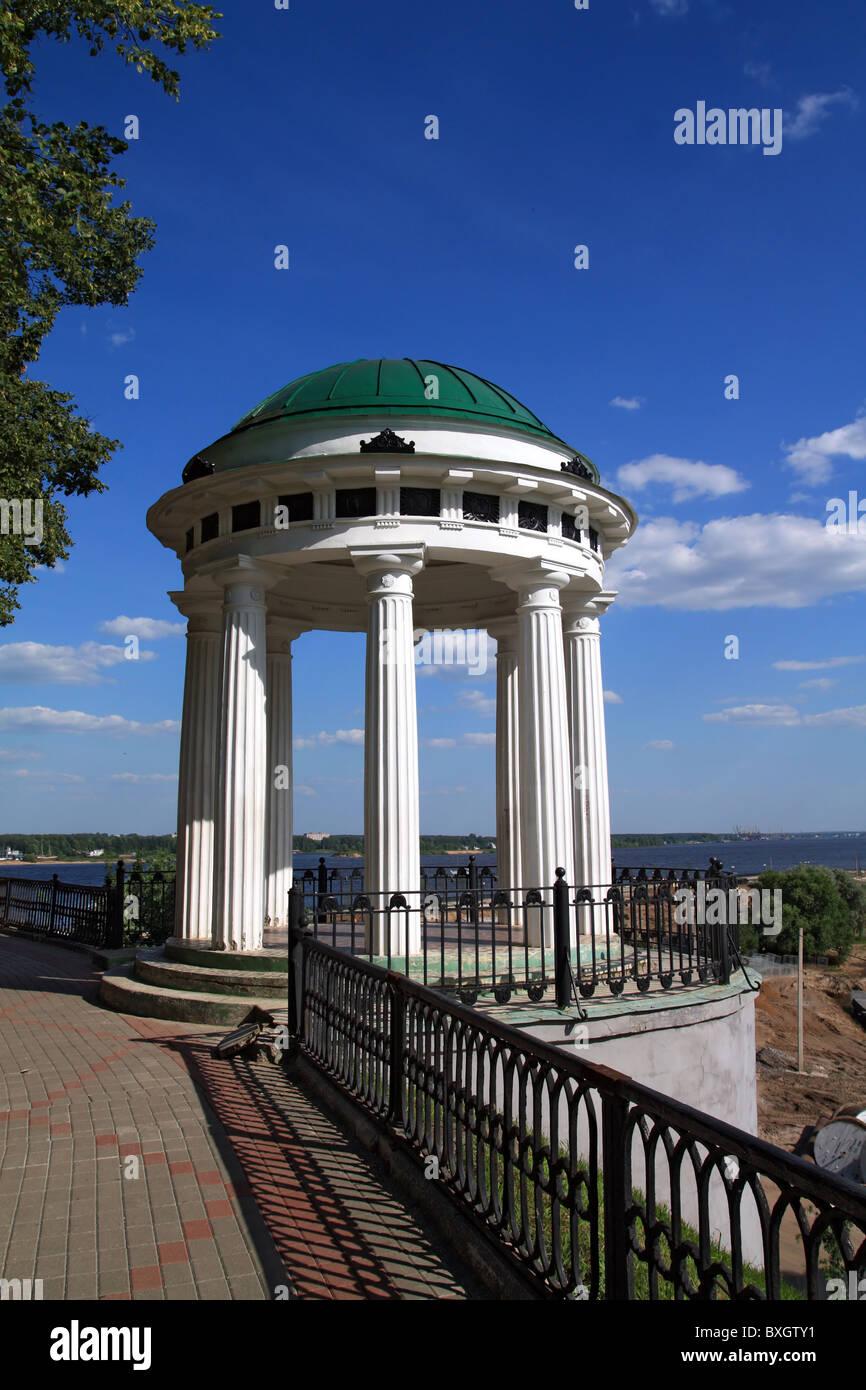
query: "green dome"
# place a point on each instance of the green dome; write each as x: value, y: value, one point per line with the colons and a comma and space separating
x: 389, y: 386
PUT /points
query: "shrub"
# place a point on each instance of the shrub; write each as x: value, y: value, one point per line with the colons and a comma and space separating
x: 811, y: 898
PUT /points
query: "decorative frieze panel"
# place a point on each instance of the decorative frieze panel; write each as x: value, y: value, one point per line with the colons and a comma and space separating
x: 355, y: 502
x: 531, y: 516
x: 419, y: 501
x: 299, y: 506
x: 246, y: 516
x: 480, y: 506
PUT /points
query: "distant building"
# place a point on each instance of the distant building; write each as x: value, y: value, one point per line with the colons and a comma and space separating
x: 95, y: 853
x: 13, y: 853
x: 317, y: 835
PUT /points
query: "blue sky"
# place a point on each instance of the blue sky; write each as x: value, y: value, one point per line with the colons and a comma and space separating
x: 556, y: 128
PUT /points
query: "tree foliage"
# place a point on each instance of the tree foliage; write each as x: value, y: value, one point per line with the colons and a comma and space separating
x: 65, y: 240
x: 816, y: 899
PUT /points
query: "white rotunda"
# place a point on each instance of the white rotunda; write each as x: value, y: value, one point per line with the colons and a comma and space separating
x: 386, y: 496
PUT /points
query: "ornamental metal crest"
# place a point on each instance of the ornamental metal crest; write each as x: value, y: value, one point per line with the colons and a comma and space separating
x: 578, y: 466
x: 198, y: 467
x: 387, y: 443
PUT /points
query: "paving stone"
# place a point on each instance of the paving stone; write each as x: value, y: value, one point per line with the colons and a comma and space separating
x: 239, y: 1168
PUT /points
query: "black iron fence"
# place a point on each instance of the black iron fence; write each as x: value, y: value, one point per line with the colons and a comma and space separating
x: 133, y: 908
x: 463, y: 932
x: 146, y: 899
x: 70, y: 911
x: 593, y: 1185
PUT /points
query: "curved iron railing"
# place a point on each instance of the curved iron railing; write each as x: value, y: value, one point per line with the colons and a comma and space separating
x: 463, y: 932
x: 592, y: 1184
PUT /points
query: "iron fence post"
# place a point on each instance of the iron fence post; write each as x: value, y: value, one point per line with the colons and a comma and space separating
x: 561, y: 942
x: 52, y: 908
x: 395, y: 1051
x: 724, y: 953
x: 296, y: 961
x: 6, y: 904
x: 618, y: 1270
x: 321, y: 915
x: 473, y: 874
x: 115, y: 909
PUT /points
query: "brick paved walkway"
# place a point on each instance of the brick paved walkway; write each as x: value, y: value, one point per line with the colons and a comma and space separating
x: 135, y: 1165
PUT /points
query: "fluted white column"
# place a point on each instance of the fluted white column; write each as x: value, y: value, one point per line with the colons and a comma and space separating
x: 239, y: 908
x: 547, y: 830
x: 392, y: 860
x: 197, y: 772
x: 509, y: 867
x: 589, y: 748
x: 278, y: 717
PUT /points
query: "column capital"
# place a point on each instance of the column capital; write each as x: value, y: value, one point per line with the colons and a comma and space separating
x: 537, y: 582
x: 581, y: 610
x: 245, y: 581
x: 203, y: 612
x: 504, y: 634
x: 281, y: 634
x: 388, y: 571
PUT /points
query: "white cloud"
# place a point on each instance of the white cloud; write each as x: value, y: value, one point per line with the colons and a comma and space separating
x: 478, y: 702
x: 43, y: 773
x: 628, y: 402
x: 39, y: 718
x: 772, y: 715
x: 142, y: 777
x: 761, y: 72
x: 302, y: 790
x: 662, y: 745
x: 147, y: 629
x: 787, y: 716
x: 854, y: 718
x: 825, y: 665
x: 32, y: 663
x: 762, y: 560
x: 20, y: 753
x: 121, y: 337
x: 821, y: 683
x: 443, y: 791
x: 813, y: 110
x: 611, y: 698
x: 321, y: 739
x: 464, y: 740
x: 687, y: 477
x: 810, y: 458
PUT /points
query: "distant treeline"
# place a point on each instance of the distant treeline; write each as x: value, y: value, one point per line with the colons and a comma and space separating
x: 439, y: 844
x: 684, y: 838
x: 354, y: 844
x: 78, y: 846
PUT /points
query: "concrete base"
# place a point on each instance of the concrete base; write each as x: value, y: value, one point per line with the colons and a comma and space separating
x: 189, y: 951
x: 696, y: 1046
x: 191, y: 983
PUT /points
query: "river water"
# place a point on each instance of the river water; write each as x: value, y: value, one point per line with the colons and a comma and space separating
x: 745, y: 857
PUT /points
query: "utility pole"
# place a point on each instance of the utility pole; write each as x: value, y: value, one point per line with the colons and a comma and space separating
x: 800, y: 1001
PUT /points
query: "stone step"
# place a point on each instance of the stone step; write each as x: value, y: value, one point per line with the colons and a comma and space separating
x: 119, y: 990
x: 194, y: 952
x: 153, y: 968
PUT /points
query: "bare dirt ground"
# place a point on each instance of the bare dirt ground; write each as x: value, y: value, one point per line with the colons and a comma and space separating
x: 835, y: 1049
